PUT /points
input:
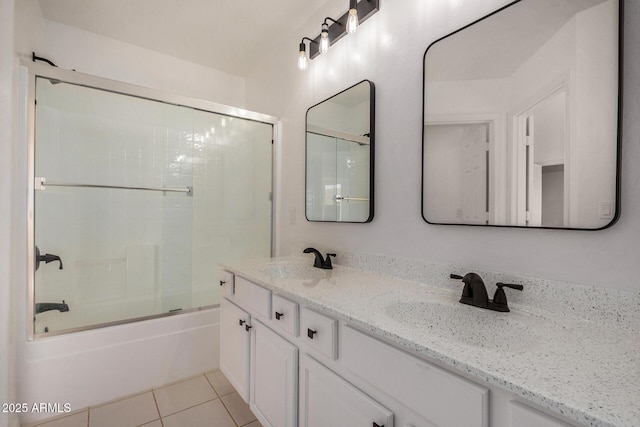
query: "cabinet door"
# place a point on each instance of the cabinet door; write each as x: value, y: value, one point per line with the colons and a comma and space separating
x: 274, y: 378
x: 523, y: 416
x: 227, y: 283
x: 234, y: 346
x: 327, y: 400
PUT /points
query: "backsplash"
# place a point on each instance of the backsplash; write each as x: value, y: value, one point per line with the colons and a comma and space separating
x: 588, y: 302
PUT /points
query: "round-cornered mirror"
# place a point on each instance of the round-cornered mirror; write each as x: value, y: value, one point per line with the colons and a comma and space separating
x: 340, y: 137
x: 521, y: 118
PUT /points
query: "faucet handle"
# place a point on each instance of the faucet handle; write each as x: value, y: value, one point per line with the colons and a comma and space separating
x: 327, y: 261
x: 455, y: 276
x: 500, y: 297
x: 501, y: 285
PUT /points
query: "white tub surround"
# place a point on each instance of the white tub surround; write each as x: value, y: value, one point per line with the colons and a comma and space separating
x: 92, y: 367
x: 571, y: 361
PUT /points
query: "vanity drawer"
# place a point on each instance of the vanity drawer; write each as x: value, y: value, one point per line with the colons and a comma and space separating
x: 320, y: 332
x: 226, y: 282
x: 443, y: 398
x: 252, y: 297
x: 285, y: 315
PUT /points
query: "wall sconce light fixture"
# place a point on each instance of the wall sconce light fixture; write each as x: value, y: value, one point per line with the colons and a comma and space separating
x: 324, y: 34
x: 302, y: 54
x: 352, y: 19
x: 347, y: 24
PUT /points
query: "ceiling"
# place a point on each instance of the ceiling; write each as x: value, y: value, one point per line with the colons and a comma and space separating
x: 226, y: 35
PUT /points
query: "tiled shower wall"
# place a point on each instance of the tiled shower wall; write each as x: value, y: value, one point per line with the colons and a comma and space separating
x: 133, y: 253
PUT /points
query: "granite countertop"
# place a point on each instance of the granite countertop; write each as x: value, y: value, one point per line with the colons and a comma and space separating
x: 585, y: 369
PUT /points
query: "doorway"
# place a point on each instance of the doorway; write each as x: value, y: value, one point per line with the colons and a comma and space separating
x: 457, y: 171
x: 541, y: 148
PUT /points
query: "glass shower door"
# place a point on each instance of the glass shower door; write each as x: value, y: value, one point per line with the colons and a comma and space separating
x: 352, y: 178
x: 232, y: 183
x: 136, y: 201
x: 337, y: 179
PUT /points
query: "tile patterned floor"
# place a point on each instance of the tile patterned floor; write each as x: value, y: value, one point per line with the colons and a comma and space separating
x: 208, y: 400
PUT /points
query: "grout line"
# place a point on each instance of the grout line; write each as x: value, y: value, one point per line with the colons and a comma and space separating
x: 228, y: 412
x: 100, y: 405
x: 157, y: 407
x: 214, y: 389
x: 211, y: 384
x: 179, y: 381
x: 190, y: 407
x: 237, y: 423
x: 181, y: 410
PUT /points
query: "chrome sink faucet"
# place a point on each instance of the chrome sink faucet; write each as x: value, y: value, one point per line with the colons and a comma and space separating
x: 320, y: 262
x: 475, y: 293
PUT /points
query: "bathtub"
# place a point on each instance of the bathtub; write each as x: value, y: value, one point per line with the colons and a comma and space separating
x: 90, y: 367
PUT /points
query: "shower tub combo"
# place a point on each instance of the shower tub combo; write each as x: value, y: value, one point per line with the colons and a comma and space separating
x: 134, y: 198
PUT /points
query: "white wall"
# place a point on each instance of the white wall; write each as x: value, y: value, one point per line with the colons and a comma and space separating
x: 7, y: 284
x: 388, y: 50
x: 89, y: 53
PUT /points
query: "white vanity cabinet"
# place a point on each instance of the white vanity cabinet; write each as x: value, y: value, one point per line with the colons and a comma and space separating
x: 235, y: 326
x: 298, y: 366
x: 261, y: 364
x: 328, y: 400
x: 310, y: 360
x: 242, y: 301
x: 274, y: 378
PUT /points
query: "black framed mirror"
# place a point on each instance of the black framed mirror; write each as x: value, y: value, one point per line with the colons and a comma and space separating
x: 521, y: 118
x: 340, y: 141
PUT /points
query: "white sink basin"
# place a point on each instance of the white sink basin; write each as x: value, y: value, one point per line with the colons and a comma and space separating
x: 296, y: 271
x: 468, y: 325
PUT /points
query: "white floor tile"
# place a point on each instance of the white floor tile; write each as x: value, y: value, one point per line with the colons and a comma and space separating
x: 220, y: 383
x: 238, y: 409
x: 183, y: 395
x: 129, y: 412
x: 81, y: 419
x: 192, y: 402
x: 210, y: 414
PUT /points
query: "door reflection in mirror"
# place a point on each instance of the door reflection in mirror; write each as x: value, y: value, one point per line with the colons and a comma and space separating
x: 542, y: 131
x: 542, y: 77
x: 456, y: 168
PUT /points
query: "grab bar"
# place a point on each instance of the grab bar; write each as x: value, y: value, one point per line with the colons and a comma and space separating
x: 41, y: 184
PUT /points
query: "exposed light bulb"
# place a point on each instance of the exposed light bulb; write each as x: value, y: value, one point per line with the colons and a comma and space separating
x: 352, y: 20
x: 324, y: 39
x: 302, y: 58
